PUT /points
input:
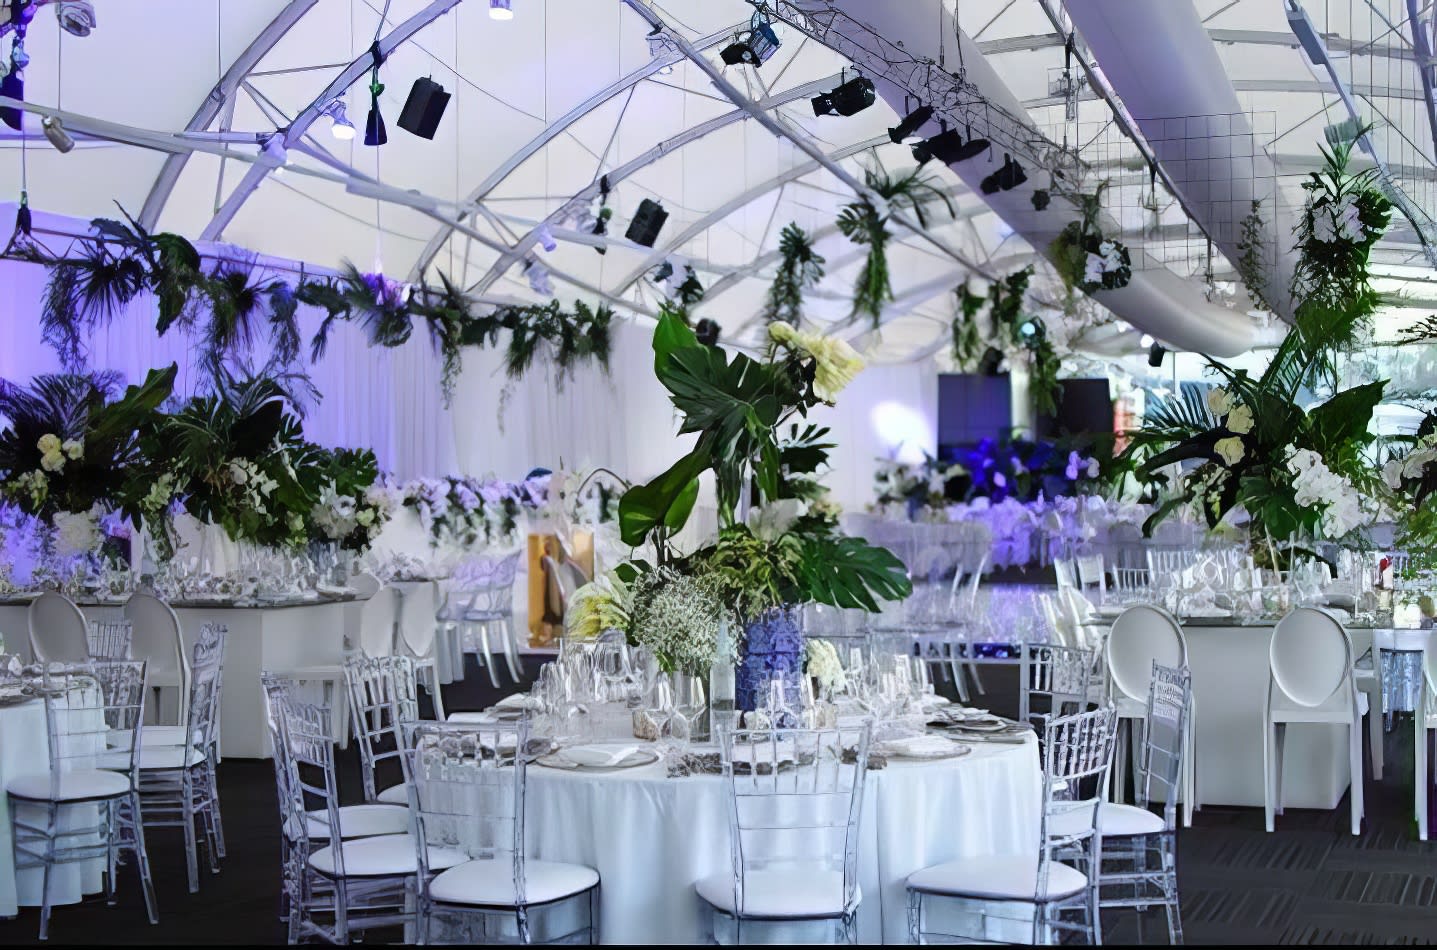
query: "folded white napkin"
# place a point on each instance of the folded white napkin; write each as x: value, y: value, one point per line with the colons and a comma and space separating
x: 516, y: 701
x: 599, y: 756
x: 918, y: 746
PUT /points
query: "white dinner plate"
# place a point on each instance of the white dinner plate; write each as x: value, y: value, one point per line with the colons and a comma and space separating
x: 635, y: 759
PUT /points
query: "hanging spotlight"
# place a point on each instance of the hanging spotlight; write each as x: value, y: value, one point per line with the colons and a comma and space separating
x: 339, y: 125
x: 755, y: 47
x: 12, y: 83
x: 659, y: 46
x: 648, y: 221
x: 1156, y: 352
x: 374, y: 131
x: 910, y: 124
x: 55, y: 132
x: 1146, y: 340
x: 500, y: 10
x: 538, y: 276
x: 77, y: 17
x: 847, y: 99
x: 943, y: 146
x: 1008, y: 176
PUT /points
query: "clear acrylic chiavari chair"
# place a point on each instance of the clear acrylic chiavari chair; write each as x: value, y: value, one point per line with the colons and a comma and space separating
x: 795, y: 796
x: 86, y: 805
x: 1056, y: 677
x: 467, y: 785
x: 1037, y: 897
x: 109, y: 639
x: 383, y: 693
x: 333, y: 884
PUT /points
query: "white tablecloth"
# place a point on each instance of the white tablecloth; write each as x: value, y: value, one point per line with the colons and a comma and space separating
x: 651, y: 837
x: 24, y: 748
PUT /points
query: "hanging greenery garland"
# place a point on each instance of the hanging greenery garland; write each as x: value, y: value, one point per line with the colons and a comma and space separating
x: 864, y: 222
x: 1252, y: 260
x: 1011, y: 330
x: 800, y: 268
x: 230, y: 308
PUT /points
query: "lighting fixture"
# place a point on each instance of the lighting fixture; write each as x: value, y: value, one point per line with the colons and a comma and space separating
x: 272, y: 153
x: 949, y: 148
x: 846, y: 99
x: 991, y: 362
x: 663, y: 272
x: 545, y: 237
x: 1156, y: 352
x: 374, y: 131
x: 1146, y: 340
x: 55, y: 132
x: 12, y: 84
x: 707, y: 331
x: 538, y: 276
x: 659, y: 46
x: 755, y: 47
x: 1042, y: 197
x: 77, y: 17
x: 1030, y: 332
x: 424, y: 108
x: 647, y: 222
x: 910, y: 124
x: 500, y: 10
x: 339, y: 125
x: 1009, y: 176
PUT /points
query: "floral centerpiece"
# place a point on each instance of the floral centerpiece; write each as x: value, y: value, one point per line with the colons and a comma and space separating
x: 778, y: 544
x: 914, y: 487
x: 1084, y: 258
x: 346, y: 510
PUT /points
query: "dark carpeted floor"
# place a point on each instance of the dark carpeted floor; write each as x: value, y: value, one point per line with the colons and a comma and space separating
x: 1310, y: 882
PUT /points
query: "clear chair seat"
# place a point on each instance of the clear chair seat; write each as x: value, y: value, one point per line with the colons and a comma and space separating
x: 998, y: 878
x: 151, y: 736
x: 780, y: 895
x: 1114, y: 821
x: 159, y: 758
x: 490, y: 883
x: 382, y: 856
x: 357, y: 821
x: 394, y: 795
x: 76, y: 785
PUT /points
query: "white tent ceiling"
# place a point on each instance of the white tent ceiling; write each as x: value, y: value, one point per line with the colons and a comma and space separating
x: 569, y: 90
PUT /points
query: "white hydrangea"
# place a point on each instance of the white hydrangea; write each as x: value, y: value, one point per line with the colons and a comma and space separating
x: 1220, y: 401
x: 1230, y: 450
x: 1240, y: 420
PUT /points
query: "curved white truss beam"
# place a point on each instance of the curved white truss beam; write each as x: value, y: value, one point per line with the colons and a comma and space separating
x: 292, y: 135
x: 209, y: 110
x: 554, y: 130
x: 693, y: 133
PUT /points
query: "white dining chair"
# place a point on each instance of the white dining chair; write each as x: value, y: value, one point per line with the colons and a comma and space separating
x: 58, y: 633
x: 156, y: 637
x: 1142, y: 635
x: 1310, y: 681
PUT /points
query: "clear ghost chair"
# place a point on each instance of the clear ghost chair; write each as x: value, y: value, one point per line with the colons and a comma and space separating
x: 795, y: 796
x: 467, y: 784
x: 1139, y: 848
x: 490, y: 609
x: 1057, y: 677
x: 382, y: 694
x: 85, y: 806
x: 333, y: 884
x: 1041, y: 887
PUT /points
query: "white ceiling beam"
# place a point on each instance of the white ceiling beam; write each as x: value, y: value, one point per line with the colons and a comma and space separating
x: 297, y: 129
x: 1337, y: 44
x: 209, y: 110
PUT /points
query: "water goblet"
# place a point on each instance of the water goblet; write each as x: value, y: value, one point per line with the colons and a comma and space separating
x: 689, y: 704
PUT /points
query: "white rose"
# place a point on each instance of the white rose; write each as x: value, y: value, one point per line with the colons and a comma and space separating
x: 1230, y: 450
x: 52, y: 461
x: 73, y: 448
x: 48, y: 444
x: 1239, y: 420
x: 1220, y: 401
x: 238, y: 475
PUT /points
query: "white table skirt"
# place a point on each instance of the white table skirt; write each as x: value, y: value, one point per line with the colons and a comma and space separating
x: 652, y: 837
x: 24, y: 749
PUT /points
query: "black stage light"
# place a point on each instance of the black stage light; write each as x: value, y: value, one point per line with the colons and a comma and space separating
x: 1041, y: 199
x: 707, y: 332
x: 943, y: 146
x: 755, y: 47
x: 992, y: 359
x: 910, y: 124
x: 1008, y: 176
x: 424, y: 108
x: 648, y: 221
x: 1156, y: 352
x: 851, y: 97
x: 970, y: 149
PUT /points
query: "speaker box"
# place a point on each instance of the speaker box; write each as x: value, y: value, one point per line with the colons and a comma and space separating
x: 424, y: 108
x: 648, y: 221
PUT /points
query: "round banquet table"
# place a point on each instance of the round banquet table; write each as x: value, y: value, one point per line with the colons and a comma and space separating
x: 651, y: 837
x: 24, y: 748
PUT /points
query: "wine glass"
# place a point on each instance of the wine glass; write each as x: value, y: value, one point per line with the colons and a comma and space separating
x: 659, y: 702
x: 611, y: 660
x: 689, y: 703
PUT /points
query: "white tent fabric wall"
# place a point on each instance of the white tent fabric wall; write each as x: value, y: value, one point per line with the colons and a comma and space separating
x: 388, y: 400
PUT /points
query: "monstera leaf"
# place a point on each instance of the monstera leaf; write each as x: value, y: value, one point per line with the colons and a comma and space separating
x: 664, y: 502
x: 851, y: 573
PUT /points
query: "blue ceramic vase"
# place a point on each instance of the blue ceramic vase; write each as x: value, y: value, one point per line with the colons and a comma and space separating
x: 772, y: 649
